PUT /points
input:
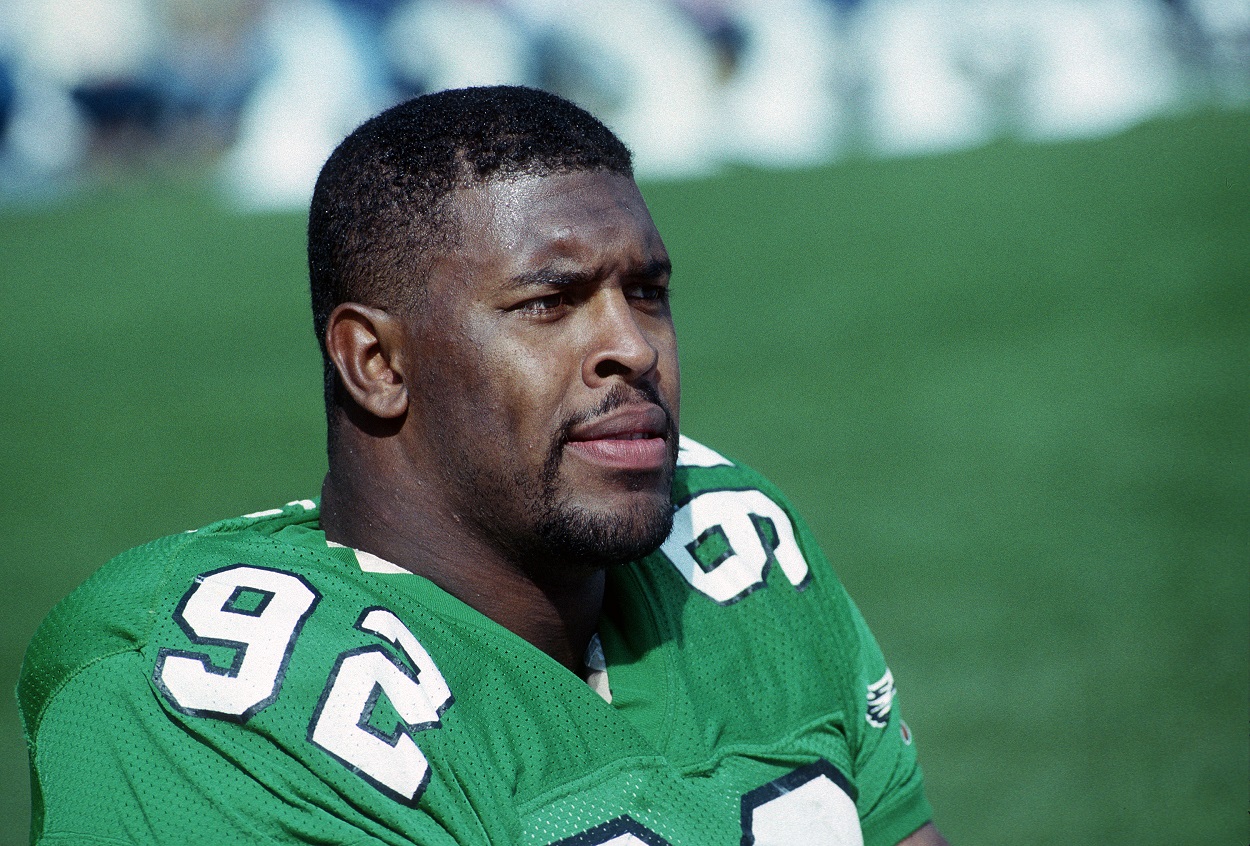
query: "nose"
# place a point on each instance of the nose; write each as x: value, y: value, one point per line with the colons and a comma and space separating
x: 620, y: 344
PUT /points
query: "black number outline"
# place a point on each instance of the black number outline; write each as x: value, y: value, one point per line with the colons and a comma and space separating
x: 604, y: 832
x: 232, y: 601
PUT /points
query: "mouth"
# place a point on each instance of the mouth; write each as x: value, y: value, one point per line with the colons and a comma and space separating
x: 631, y: 438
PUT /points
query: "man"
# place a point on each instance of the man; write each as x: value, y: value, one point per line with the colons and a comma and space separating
x: 525, y: 610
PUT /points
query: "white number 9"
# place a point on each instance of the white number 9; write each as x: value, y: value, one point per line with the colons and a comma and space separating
x: 255, y: 611
x: 741, y: 569
x: 812, y: 806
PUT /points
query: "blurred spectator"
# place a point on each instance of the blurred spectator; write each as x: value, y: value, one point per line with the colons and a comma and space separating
x: 316, y: 88
x: 782, y: 105
x: 209, y: 64
x: 269, y: 86
x: 436, y: 44
x: 8, y: 91
x: 943, y: 74
x: 721, y: 29
x: 364, y: 24
x: 103, y: 53
x: 1214, y: 35
x: 117, y: 82
x: 649, y: 73
x: 44, y: 140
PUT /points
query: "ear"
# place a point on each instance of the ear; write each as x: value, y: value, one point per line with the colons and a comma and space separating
x: 367, y: 347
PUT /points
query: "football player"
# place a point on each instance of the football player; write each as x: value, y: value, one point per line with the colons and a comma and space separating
x: 525, y: 609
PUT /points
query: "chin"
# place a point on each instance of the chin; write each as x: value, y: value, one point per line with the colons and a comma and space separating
x: 583, y: 538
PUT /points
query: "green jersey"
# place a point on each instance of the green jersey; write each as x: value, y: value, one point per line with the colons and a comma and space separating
x: 249, y: 682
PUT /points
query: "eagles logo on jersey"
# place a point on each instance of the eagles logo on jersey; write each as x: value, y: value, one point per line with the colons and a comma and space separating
x: 880, y: 698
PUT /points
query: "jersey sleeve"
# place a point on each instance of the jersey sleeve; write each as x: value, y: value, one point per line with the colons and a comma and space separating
x: 891, y: 802
x: 887, y: 778
x: 111, y: 767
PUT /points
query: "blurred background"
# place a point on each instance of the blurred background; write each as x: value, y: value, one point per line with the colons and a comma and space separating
x: 969, y: 279
x: 260, y: 91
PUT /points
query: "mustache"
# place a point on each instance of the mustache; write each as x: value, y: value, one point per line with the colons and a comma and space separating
x: 617, y: 397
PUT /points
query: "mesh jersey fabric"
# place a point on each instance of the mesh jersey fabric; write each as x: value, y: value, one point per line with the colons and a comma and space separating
x: 247, y: 682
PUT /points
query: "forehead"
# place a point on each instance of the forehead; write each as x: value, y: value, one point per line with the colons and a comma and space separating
x: 596, y: 220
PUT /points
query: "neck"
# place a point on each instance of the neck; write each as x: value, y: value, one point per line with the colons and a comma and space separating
x: 557, y: 612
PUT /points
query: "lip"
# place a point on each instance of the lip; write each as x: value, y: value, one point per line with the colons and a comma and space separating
x: 630, y: 438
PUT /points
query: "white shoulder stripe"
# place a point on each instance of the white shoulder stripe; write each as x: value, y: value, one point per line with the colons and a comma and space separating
x: 371, y: 563
x: 691, y: 453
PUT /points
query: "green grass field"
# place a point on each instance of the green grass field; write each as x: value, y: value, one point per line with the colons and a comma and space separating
x: 1010, y: 389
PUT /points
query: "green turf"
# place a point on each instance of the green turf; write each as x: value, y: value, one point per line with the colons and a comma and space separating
x: 1010, y: 388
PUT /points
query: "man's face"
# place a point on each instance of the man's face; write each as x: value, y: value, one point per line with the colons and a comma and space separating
x: 546, y: 390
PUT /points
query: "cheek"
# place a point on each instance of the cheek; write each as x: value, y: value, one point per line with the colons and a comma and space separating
x: 535, y: 386
x: 518, y: 397
x: 670, y: 372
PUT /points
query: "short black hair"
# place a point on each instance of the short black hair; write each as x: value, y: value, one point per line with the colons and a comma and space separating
x: 379, y: 214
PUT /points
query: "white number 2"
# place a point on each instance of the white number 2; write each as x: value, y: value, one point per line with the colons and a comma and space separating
x: 259, y: 613
x: 389, y: 760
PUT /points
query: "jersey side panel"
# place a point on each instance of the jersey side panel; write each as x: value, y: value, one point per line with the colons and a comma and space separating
x: 108, y: 614
x: 886, y: 771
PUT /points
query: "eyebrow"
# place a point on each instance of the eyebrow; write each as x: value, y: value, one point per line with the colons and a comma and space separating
x: 654, y: 269
x: 545, y: 277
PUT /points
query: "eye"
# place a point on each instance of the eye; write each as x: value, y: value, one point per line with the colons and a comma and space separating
x: 543, y: 305
x: 647, y: 292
